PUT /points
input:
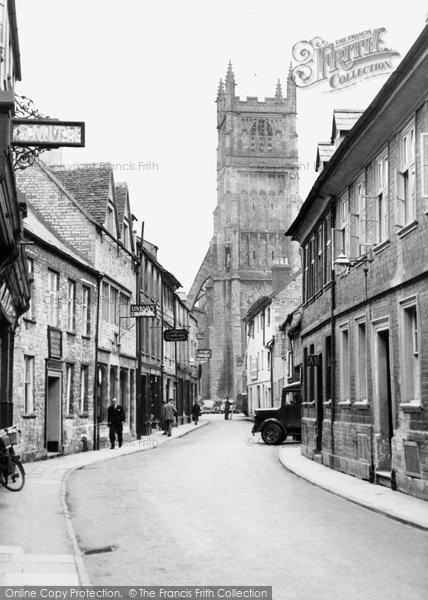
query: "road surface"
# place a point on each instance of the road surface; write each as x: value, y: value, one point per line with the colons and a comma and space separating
x: 212, y: 508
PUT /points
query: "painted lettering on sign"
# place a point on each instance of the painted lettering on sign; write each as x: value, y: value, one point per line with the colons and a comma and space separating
x: 47, y: 133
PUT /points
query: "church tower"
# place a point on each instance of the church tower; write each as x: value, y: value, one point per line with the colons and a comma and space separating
x: 257, y: 199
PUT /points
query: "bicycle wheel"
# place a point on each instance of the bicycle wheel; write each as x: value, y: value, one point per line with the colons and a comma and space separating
x: 15, y: 479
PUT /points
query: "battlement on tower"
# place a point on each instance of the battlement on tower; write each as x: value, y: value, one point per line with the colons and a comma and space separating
x: 228, y: 101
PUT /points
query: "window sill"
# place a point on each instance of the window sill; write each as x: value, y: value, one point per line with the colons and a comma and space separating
x: 411, y: 407
x: 381, y: 246
x: 327, y: 403
x: 72, y: 333
x: 68, y: 417
x: 86, y: 337
x: 83, y: 416
x: 32, y: 416
x: 344, y: 404
x: 308, y: 403
x: 362, y: 405
x: 403, y: 231
x: 29, y: 320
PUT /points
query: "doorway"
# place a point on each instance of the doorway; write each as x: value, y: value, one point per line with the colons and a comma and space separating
x: 53, y: 412
x: 385, y: 427
x: 319, y: 402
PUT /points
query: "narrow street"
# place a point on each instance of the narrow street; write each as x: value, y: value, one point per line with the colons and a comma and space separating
x: 213, y: 508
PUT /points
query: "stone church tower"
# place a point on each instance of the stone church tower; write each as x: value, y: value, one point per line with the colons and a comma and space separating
x: 249, y: 256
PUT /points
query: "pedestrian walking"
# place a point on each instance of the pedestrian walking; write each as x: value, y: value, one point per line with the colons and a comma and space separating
x: 168, y: 413
x: 196, y: 411
x: 226, y: 409
x: 162, y: 419
x: 115, y: 419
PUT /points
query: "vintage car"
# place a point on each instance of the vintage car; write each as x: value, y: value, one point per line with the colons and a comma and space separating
x: 275, y: 424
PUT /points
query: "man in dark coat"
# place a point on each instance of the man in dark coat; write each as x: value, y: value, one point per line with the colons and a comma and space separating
x: 115, y: 418
x: 227, y: 405
x: 196, y: 411
x: 168, y: 413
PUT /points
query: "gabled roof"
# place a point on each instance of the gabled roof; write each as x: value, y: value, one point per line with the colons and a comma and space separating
x: 325, y: 151
x: 344, y: 119
x: 35, y: 225
x: 90, y: 186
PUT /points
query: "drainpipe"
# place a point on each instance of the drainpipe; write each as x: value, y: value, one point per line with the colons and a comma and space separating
x: 96, y: 432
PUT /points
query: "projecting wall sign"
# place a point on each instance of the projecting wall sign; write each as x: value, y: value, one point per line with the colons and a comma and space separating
x: 47, y: 133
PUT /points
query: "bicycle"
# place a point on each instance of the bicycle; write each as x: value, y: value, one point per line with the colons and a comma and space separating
x: 12, y: 474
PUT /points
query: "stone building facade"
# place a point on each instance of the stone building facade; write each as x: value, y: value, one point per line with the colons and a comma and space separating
x: 257, y: 198
x: 92, y: 214
x: 267, y: 354
x: 54, y: 361
x: 166, y: 370
x: 364, y: 326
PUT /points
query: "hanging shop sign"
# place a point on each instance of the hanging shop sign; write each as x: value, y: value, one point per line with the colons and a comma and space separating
x: 143, y: 310
x: 203, y: 353
x: 175, y: 335
x: 47, y: 133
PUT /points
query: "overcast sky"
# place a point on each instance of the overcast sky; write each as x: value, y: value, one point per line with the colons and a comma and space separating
x: 144, y: 76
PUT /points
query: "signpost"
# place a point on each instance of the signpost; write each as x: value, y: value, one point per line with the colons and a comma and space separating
x: 143, y: 310
x: 203, y: 353
x: 175, y: 335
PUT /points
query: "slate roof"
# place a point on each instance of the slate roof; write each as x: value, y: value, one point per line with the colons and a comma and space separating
x: 90, y: 186
x: 36, y: 225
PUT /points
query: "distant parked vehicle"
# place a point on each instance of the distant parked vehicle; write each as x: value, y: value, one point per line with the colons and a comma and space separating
x: 208, y: 407
x: 275, y: 424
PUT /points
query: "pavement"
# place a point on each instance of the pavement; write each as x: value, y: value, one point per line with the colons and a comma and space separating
x: 37, y: 542
x: 392, y: 504
x: 38, y: 545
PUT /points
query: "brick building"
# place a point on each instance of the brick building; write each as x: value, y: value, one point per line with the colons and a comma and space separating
x: 364, y: 325
x: 257, y: 198
x: 14, y: 285
x: 55, y: 347
x: 90, y: 212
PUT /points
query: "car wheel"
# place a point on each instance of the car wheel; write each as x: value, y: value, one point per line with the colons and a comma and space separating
x: 272, y: 434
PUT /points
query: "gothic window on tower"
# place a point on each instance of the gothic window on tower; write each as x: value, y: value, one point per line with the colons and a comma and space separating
x: 261, y: 136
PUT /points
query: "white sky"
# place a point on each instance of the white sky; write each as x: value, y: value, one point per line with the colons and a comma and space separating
x: 144, y: 76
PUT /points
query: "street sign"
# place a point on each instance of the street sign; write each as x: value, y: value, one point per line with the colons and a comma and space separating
x: 313, y: 360
x: 143, y: 310
x: 47, y: 133
x: 203, y: 353
x: 175, y: 335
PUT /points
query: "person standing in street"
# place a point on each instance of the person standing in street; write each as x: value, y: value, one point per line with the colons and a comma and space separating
x: 196, y: 411
x: 226, y: 409
x: 162, y: 419
x: 115, y: 419
x: 168, y: 413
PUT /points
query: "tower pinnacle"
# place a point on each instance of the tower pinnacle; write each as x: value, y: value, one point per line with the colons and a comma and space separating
x: 278, y: 92
x: 220, y: 92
